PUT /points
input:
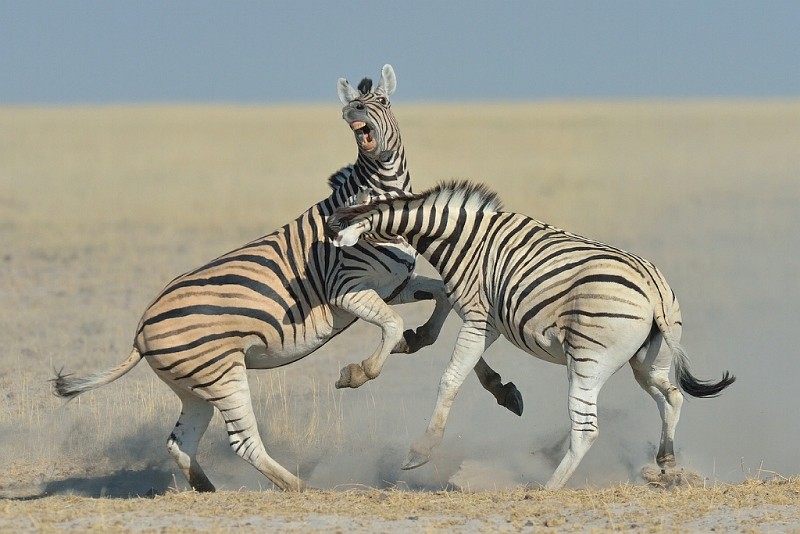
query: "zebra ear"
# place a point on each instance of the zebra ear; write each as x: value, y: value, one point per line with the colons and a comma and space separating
x: 388, y: 82
x: 347, y: 93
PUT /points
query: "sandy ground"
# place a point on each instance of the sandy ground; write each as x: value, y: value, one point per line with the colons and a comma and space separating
x: 100, y: 207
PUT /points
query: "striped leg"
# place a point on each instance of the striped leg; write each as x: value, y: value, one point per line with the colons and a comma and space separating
x: 423, y: 288
x: 586, y: 375
x: 185, y: 438
x: 473, y: 340
x: 237, y: 411
x: 652, y: 374
x: 366, y: 304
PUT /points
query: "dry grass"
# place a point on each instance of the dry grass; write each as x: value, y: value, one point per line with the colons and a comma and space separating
x: 99, y: 207
x: 749, y: 506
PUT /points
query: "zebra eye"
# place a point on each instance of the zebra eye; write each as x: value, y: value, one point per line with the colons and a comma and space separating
x: 382, y: 100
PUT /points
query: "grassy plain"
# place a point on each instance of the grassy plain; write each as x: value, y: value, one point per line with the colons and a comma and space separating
x: 101, y: 206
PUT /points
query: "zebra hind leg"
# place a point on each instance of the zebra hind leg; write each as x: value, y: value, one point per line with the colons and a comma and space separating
x: 185, y: 438
x: 234, y: 404
x: 653, y: 377
x: 582, y: 404
x: 587, y: 370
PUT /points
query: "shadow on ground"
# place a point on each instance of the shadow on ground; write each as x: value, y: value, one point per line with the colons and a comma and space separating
x: 122, y: 484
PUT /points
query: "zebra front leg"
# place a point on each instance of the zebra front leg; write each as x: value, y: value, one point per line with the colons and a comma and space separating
x: 421, y: 288
x: 424, y: 288
x: 507, y: 395
x: 473, y: 340
x: 366, y: 304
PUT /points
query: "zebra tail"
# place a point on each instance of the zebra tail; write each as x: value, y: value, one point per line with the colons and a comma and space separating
x: 687, y: 382
x: 67, y: 386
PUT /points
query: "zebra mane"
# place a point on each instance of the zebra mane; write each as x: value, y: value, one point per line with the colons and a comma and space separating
x: 470, y: 195
x: 340, y: 177
x: 365, y: 85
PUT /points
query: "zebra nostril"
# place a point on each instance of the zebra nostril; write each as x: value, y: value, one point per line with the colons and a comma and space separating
x: 358, y: 105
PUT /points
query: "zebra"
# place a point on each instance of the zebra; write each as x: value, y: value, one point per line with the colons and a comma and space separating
x: 281, y: 297
x: 561, y: 297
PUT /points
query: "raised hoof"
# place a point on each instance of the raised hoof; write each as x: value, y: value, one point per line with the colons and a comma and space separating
x: 352, y: 376
x: 411, y: 343
x: 402, y: 346
x: 414, y: 460
x: 513, y: 399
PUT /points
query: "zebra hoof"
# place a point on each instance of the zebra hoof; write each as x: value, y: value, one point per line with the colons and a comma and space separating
x: 415, y: 459
x: 513, y: 399
x: 402, y: 346
x: 203, y: 486
x: 666, y: 460
x: 352, y: 376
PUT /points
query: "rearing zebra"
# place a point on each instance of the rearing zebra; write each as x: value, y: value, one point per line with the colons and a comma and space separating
x: 280, y: 298
x: 559, y: 296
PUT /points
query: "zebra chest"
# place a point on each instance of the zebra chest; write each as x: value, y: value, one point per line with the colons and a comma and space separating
x: 384, y: 268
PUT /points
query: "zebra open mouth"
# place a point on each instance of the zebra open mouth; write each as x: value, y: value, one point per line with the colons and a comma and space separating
x: 363, y: 135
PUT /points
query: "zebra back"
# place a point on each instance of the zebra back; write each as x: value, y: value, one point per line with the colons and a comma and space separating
x: 523, y: 267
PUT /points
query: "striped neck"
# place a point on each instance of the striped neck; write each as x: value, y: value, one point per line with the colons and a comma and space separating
x: 388, y: 176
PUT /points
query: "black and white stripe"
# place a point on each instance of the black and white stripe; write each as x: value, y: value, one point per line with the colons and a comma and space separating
x: 280, y: 298
x: 561, y: 297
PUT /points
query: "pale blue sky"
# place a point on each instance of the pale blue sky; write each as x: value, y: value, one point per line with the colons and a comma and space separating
x: 273, y: 52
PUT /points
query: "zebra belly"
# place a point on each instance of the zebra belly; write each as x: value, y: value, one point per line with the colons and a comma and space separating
x: 315, y: 335
x: 546, y: 344
x: 259, y: 357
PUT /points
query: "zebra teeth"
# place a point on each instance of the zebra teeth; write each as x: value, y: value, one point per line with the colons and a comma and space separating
x: 363, y: 135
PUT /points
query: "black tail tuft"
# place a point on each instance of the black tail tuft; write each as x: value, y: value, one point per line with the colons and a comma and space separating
x: 61, y: 385
x: 687, y: 382
x: 704, y: 388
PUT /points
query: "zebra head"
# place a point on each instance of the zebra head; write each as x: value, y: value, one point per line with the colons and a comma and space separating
x: 369, y: 114
x: 353, y: 222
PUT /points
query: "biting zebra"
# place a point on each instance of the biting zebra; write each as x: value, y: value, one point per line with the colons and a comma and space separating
x: 561, y: 297
x: 282, y: 297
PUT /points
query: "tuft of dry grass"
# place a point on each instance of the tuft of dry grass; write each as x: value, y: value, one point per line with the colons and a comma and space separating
x: 753, y: 504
